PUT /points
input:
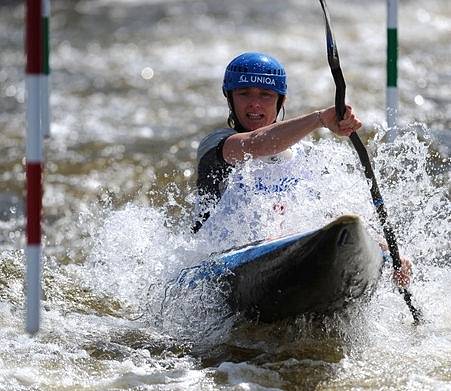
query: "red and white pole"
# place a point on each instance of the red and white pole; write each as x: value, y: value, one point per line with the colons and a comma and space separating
x: 34, y: 163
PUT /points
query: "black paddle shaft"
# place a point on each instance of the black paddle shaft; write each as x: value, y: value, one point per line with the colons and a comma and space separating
x: 334, y: 63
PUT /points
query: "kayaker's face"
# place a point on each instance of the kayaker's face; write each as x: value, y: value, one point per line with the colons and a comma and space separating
x: 255, y: 107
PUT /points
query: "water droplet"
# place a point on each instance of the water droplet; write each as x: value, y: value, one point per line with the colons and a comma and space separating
x: 11, y: 91
x: 187, y: 173
x: 419, y: 100
x: 147, y: 73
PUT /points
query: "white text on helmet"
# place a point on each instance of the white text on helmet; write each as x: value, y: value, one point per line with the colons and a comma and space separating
x: 258, y: 79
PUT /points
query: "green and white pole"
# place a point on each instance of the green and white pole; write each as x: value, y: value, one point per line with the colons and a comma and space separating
x: 45, y: 76
x: 392, y: 69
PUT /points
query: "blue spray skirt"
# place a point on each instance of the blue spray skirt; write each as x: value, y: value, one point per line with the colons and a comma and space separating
x: 319, y: 272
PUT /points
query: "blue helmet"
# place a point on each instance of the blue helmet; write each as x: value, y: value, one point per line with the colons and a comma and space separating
x: 254, y: 69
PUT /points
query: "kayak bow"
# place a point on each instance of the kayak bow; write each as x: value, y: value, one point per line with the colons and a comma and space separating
x: 318, y: 272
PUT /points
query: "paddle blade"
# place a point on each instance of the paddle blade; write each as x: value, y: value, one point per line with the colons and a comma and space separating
x: 332, y: 51
x: 334, y: 63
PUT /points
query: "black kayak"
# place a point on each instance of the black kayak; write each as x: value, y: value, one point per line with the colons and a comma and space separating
x: 318, y: 272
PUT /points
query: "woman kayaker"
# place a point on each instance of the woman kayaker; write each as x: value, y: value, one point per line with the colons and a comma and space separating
x: 255, y: 87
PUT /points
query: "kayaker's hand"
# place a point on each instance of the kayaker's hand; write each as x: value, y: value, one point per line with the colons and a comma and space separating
x: 402, y: 276
x: 345, y: 127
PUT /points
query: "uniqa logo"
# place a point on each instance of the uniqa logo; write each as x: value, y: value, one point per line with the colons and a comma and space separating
x: 257, y: 79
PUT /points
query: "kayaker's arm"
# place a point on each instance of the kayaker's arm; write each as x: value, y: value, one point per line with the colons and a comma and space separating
x: 277, y: 137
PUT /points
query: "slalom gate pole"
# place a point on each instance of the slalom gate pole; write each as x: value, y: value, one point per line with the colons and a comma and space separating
x: 392, y: 69
x: 45, y: 74
x: 34, y: 164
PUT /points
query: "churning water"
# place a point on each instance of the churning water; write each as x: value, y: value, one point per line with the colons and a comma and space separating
x: 136, y: 85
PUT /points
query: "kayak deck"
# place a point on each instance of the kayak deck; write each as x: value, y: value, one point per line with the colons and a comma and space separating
x: 318, y: 272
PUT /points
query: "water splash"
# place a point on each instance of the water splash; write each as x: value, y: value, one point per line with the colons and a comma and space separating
x: 416, y: 193
x: 321, y: 182
x: 138, y: 252
x: 135, y: 254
